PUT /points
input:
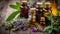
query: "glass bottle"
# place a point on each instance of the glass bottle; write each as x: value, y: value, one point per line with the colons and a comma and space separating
x: 24, y: 9
x: 33, y: 14
x: 42, y: 22
x: 48, y: 7
x: 33, y: 17
x: 39, y: 11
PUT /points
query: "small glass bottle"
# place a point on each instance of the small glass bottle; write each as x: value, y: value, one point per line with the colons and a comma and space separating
x: 33, y: 14
x: 39, y: 11
x: 24, y: 9
x: 48, y: 7
x: 42, y: 22
x: 33, y: 17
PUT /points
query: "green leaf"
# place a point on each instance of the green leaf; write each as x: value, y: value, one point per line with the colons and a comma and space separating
x: 12, y: 16
x: 17, y: 16
x: 48, y: 29
x: 18, y: 4
x: 14, y: 7
x: 56, y: 29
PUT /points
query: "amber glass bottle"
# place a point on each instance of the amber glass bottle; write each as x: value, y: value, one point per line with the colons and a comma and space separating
x: 33, y: 14
x: 42, y: 22
x: 47, y: 8
x: 24, y: 9
x: 39, y: 11
x: 33, y: 17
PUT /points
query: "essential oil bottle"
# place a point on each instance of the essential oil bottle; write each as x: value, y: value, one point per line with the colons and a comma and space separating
x: 33, y: 14
x: 32, y: 17
x: 48, y: 7
x: 39, y: 11
x: 42, y: 22
x: 24, y: 9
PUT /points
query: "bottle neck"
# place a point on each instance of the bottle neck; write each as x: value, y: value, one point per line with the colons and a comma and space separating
x: 24, y: 4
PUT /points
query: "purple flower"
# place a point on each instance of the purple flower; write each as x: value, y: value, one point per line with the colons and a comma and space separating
x: 34, y: 29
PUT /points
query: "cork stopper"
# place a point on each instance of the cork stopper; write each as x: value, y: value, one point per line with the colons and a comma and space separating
x: 32, y: 9
x: 39, y: 4
x: 24, y: 1
x: 48, y: 4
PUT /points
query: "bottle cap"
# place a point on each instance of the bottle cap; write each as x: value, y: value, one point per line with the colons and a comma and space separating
x: 32, y: 9
x: 48, y: 4
x: 39, y: 3
x: 24, y: 1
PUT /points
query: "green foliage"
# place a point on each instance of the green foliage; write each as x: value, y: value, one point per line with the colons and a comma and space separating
x: 12, y: 16
x: 17, y: 6
x: 8, y: 25
x: 49, y: 16
x: 14, y: 7
x: 48, y: 29
x: 54, y: 24
x: 9, y: 21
